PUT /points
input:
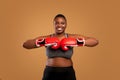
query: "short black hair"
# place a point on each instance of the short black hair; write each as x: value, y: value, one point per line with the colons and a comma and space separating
x: 60, y: 15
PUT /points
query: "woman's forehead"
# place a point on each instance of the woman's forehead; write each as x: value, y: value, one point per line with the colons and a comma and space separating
x: 59, y: 19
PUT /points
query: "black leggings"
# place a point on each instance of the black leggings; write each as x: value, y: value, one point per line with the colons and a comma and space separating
x: 59, y: 73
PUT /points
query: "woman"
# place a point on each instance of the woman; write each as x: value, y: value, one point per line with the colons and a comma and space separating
x: 59, y: 50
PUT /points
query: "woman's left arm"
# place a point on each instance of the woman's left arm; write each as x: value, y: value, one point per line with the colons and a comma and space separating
x: 89, y: 41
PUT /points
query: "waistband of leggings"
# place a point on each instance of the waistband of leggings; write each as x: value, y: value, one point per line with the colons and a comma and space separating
x: 58, y: 67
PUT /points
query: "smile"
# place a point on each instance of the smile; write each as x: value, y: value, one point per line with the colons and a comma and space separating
x: 59, y: 29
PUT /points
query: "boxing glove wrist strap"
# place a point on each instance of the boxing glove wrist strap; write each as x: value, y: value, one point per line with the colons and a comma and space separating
x: 40, y: 42
x: 80, y: 41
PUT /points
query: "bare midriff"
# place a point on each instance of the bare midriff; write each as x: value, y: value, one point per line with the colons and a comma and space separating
x: 59, y: 62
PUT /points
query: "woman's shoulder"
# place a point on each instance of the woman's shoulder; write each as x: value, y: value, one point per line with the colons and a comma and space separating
x: 44, y: 36
x: 75, y: 35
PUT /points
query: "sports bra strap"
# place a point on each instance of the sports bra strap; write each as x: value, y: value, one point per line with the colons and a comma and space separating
x: 66, y: 35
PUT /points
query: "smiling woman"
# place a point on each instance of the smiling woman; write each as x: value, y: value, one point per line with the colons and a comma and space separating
x: 60, y: 23
x: 59, y: 50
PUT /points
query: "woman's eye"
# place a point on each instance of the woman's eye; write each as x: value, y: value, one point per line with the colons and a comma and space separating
x: 62, y: 23
x: 56, y: 23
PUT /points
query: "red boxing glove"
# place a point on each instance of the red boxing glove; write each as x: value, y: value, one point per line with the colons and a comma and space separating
x: 51, y: 41
x: 71, y: 42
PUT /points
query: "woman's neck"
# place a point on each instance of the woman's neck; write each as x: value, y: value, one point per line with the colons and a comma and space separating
x: 59, y: 35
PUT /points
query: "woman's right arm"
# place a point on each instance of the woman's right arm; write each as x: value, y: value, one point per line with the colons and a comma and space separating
x: 31, y: 43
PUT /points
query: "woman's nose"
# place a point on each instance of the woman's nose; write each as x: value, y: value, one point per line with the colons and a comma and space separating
x: 59, y: 25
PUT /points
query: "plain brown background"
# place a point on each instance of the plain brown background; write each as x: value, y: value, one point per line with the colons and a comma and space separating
x: 21, y: 20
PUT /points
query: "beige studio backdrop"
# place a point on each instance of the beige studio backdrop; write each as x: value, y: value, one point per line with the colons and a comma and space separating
x: 21, y: 20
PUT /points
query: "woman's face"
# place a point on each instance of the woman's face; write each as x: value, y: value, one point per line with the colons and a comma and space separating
x: 60, y: 25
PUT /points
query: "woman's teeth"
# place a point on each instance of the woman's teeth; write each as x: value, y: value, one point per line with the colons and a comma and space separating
x: 59, y: 28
